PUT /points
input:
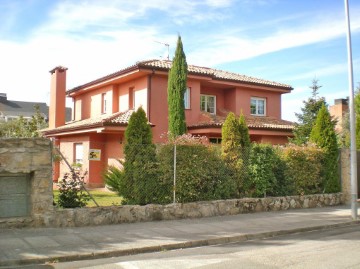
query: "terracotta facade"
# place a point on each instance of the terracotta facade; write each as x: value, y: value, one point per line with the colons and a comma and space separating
x: 103, y: 107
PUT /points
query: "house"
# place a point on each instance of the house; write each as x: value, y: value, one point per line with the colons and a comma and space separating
x: 102, y: 109
x: 12, y: 110
x: 338, y: 111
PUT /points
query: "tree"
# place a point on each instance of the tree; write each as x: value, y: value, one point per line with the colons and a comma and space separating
x: 138, y: 181
x: 235, y: 146
x: 357, y: 116
x: 22, y: 127
x: 345, y: 128
x: 177, y: 84
x: 307, y: 118
x: 324, y: 136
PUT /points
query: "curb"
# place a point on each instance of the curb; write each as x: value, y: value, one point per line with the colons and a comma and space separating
x: 173, y: 246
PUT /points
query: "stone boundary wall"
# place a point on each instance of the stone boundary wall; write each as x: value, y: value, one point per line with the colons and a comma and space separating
x: 128, y: 214
x: 32, y: 157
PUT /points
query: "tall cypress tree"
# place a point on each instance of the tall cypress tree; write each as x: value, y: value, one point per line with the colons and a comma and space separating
x: 177, y: 84
x: 323, y: 135
x: 235, y: 147
x: 139, y: 181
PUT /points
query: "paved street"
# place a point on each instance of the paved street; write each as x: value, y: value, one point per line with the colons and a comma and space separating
x: 334, y: 248
x: 47, y: 245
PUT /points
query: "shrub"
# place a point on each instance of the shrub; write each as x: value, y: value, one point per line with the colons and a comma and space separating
x: 235, y: 147
x: 114, y: 178
x: 70, y: 191
x: 200, y: 172
x: 324, y: 136
x: 262, y: 179
x: 304, y: 168
x: 140, y: 167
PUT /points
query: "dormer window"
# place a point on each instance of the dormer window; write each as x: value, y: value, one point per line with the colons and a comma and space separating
x: 258, y: 106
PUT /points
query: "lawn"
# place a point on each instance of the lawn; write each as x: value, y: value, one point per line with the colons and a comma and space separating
x: 102, y: 197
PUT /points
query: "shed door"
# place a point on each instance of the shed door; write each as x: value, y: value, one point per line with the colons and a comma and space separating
x: 14, y: 195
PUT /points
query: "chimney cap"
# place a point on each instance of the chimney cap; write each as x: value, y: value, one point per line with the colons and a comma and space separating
x: 341, y: 101
x: 60, y: 68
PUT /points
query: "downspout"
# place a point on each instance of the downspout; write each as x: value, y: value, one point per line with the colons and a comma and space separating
x: 149, y: 82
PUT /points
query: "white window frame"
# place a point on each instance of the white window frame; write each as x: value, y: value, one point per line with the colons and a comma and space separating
x: 257, y: 100
x: 207, y: 96
x: 187, y: 98
x: 104, y: 103
x: 78, y: 153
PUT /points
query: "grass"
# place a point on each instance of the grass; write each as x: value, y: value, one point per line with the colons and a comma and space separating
x: 102, y: 197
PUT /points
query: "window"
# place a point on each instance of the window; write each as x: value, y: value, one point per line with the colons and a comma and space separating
x: 187, y: 98
x: 79, y: 153
x: 103, y: 106
x: 208, y: 103
x: 215, y: 140
x: 258, y: 106
x: 131, y: 98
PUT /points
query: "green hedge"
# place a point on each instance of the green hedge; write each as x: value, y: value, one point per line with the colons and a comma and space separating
x: 201, y: 174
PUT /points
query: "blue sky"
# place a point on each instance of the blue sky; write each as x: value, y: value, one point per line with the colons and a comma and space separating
x: 287, y: 41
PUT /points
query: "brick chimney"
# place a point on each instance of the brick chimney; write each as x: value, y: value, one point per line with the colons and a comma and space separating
x: 338, y: 111
x: 57, y: 109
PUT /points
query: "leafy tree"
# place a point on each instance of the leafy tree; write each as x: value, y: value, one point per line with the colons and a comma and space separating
x: 22, y: 127
x: 324, y: 136
x: 307, y: 118
x: 177, y: 84
x: 235, y: 146
x: 137, y: 183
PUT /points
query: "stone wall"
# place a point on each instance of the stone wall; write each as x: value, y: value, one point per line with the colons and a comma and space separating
x: 346, y: 176
x: 33, y: 157
x: 127, y: 214
x: 30, y: 157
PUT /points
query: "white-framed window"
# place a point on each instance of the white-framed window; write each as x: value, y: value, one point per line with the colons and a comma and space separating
x: 103, y: 105
x: 208, y: 103
x: 78, y: 153
x: 258, y: 106
x: 215, y: 140
x: 187, y: 98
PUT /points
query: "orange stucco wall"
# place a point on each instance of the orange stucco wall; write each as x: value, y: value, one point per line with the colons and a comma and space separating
x: 140, y: 92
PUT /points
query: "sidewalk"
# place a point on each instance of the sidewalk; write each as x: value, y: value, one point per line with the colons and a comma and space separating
x: 31, y: 246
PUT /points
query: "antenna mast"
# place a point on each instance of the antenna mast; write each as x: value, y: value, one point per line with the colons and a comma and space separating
x: 168, y: 49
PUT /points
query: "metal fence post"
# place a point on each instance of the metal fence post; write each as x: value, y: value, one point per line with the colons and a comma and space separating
x: 174, y: 191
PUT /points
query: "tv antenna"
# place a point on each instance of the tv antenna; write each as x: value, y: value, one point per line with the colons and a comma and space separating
x: 168, y: 48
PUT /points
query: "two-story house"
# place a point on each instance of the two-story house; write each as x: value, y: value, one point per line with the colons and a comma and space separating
x: 102, y: 108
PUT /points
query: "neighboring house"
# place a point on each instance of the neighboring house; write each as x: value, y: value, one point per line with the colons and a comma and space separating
x: 338, y: 111
x: 12, y: 110
x: 102, y: 109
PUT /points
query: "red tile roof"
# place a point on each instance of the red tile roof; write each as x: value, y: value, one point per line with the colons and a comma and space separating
x: 253, y: 122
x: 116, y: 119
x: 165, y: 65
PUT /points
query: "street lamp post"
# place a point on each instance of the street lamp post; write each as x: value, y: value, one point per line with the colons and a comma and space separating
x: 353, y: 162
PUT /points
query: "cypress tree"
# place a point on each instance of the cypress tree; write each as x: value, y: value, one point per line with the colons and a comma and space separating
x: 177, y: 84
x: 244, y: 133
x: 324, y: 136
x: 230, y: 143
x: 139, y: 181
x: 235, y: 147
